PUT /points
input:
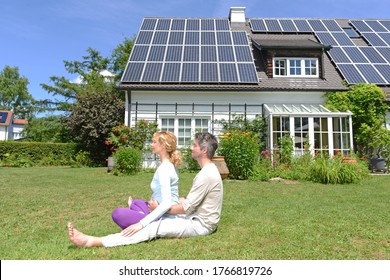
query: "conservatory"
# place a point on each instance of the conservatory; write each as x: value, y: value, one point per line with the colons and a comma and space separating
x: 312, y: 126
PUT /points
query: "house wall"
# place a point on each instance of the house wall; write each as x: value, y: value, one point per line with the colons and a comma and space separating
x: 3, y: 133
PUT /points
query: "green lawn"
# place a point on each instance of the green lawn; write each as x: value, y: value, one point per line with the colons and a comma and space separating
x: 260, y: 220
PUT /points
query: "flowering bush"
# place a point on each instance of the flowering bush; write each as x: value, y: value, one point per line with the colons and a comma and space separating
x: 241, y: 152
x: 132, y: 137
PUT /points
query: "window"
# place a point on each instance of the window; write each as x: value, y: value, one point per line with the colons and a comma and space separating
x: 184, y: 128
x: 321, y: 140
x: 280, y: 128
x: 341, y: 135
x: 301, y: 130
x: 295, y: 67
x: 351, y: 33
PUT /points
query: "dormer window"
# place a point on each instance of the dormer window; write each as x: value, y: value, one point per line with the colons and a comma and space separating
x: 295, y: 67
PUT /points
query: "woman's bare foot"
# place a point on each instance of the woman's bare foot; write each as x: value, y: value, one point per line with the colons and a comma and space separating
x: 130, y: 201
x: 80, y: 239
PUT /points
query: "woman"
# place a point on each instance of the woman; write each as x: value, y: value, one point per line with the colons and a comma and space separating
x: 164, y: 186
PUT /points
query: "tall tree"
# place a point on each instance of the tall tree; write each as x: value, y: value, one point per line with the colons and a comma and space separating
x: 120, y: 56
x: 14, y: 94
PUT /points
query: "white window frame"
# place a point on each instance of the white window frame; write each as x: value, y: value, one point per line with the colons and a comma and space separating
x: 194, y: 128
x: 288, y: 67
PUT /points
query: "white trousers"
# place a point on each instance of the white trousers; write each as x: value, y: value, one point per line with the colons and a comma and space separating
x: 167, y: 227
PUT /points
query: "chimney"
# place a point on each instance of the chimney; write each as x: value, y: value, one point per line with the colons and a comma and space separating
x: 237, y: 16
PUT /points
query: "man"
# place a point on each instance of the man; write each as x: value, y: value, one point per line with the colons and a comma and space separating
x: 201, y: 209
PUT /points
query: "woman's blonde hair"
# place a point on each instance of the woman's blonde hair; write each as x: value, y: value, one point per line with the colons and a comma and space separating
x: 168, y: 139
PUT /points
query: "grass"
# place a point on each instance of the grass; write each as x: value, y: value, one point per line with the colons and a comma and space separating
x: 260, y: 220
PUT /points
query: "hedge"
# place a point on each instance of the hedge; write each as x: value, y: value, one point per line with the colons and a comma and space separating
x: 37, y: 151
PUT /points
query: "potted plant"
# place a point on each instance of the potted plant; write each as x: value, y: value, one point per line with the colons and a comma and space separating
x: 378, y: 148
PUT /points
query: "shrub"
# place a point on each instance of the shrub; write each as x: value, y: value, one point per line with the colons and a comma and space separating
x: 327, y: 170
x: 241, y: 152
x: 189, y: 163
x: 127, y: 161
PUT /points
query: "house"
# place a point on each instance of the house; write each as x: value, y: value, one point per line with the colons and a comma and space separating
x: 188, y: 73
x: 10, y: 127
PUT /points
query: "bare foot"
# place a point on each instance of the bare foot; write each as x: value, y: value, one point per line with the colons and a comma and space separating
x: 78, y: 238
x: 130, y: 201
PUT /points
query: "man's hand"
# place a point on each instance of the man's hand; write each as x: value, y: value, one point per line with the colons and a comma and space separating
x: 130, y: 230
x: 152, y: 204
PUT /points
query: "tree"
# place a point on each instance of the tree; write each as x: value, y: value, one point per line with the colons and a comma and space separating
x: 120, y: 57
x: 46, y: 129
x: 14, y: 94
x: 91, y: 119
x: 367, y: 104
x: 89, y: 71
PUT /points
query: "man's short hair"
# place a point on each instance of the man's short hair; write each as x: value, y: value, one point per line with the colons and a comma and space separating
x: 207, y: 140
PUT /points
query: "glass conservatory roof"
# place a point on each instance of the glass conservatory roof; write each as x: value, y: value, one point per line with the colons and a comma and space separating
x: 298, y: 109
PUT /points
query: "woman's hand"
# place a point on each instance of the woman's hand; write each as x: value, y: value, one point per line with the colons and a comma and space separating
x: 130, y: 230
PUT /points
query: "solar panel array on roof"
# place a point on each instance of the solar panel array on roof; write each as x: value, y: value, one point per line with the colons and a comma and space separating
x: 357, y: 64
x: 3, y: 117
x: 190, y: 51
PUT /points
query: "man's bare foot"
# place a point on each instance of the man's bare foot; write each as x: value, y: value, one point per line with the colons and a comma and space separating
x: 130, y: 201
x: 80, y: 239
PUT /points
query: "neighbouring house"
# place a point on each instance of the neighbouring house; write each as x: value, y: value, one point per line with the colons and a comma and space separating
x: 10, y: 127
x: 188, y: 73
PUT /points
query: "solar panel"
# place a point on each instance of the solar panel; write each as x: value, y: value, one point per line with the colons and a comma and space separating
x: 373, y: 39
x: 361, y: 26
x: 384, y: 70
x: 178, y: 24
x: 191, y: 53
x: 163, y: 24
x: 190, y: 72
x: 338, y: 55
x: 273, y: 25
x: 331, y: 25
x: 133, y: 72
x: 176, y: 38
x: 372, y: 55
x: 317, y: 25
x: 258, y: 25
x: 208, y: 53
x: 385, y: 37
x: 156, y: 53
x: 326, y: 38
x: 224, y: 38
x: 351, y: 74
x: 375, y: 25
x: 192, y: 38
x: 139, y: 53
x: 355, y: 55
x: 207, y: 24
x: 288, y: 25
x: 243, y: 54
x: 222, y: 24
x: 209, y: 72
x: 342, y: 39
x: 174, y: 53
x: 207, y: 38
x: 225, y: 53
x: 148, y: 24
x: 247, y: 73
x: 228, y: 72
x: 3, y: 117
x: 385, y: 23
x: 160, y: 38
x: 371, y: 75
x: 152, y: 72
x: 192, y: 24
x: 385, y: 52
x: 240, y: 38
x: 144, y: 37
x: 171, y: 72
x: 302, y: 25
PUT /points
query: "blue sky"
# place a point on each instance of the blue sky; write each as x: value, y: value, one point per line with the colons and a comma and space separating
x: 37, y: 36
